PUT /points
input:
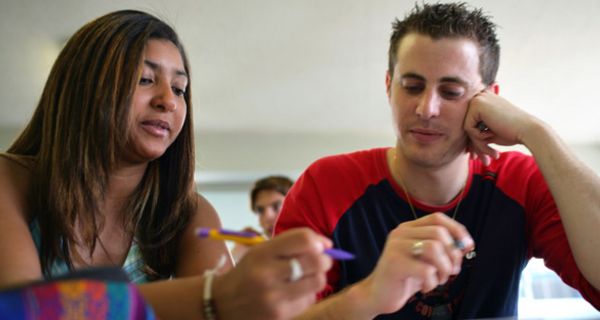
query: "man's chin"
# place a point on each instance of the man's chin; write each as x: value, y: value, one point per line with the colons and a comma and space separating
x: 432, y: 158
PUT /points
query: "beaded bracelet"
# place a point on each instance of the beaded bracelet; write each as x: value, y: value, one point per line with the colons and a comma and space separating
x: 208, y: 304
x: 209, y: 311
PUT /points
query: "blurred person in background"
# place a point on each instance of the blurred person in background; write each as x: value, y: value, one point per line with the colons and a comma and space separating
x: 266, y: 198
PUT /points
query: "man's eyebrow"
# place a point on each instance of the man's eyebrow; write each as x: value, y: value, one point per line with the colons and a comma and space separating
x: 455, y: 80
x: 412, y: 75
x: 269, y: 204
x: 155, y: 66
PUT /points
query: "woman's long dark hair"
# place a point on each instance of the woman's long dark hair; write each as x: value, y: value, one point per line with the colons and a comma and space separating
x: 76, y: 136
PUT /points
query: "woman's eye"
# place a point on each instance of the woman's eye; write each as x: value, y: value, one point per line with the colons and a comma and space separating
x: 178, y: 92
x: 145, y: 80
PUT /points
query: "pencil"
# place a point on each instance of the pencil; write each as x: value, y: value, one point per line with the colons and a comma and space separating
x: 251, y: 238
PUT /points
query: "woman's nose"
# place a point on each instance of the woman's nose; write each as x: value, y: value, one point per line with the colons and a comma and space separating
x: 165, y: 99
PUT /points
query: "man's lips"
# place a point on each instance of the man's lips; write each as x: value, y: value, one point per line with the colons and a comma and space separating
x: 425, y: 135
x: 426, y: 132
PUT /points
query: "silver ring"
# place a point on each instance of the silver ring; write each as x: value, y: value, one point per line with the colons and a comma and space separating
x: 297, y: 272
x: 417, y: 249
x: 482, y: 126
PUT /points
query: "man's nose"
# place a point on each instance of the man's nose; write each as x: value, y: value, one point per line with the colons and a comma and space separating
x: 429, y: 105
x: 270, y: 213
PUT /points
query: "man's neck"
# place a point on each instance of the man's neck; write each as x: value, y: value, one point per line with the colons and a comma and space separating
x: 431, y: 185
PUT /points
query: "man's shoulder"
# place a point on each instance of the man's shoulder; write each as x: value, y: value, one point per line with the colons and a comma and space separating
x: 512, y: 161
x: 341, y: 173
x: 515, y: 173
x: 355, y: 159
x: 509, y: 156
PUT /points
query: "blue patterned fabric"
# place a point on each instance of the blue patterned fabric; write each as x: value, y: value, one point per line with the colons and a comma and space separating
x: 75, y: 299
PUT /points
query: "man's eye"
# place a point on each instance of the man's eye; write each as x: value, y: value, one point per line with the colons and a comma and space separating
x: 277, y: 206
x: 413, y: 89
x: 452, y: 94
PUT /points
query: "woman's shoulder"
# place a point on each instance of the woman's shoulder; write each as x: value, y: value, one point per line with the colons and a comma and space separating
x: 15, y: 179
x: 17, y: 161
x: 15, y: 171
x: 203, y: 208
x: 17, y: 166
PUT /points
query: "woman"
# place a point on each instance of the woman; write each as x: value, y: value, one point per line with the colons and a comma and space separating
x: 103, y: 175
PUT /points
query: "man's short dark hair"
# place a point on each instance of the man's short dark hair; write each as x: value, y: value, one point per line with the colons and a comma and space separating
x: 281, y: 184
x: 450, y: 20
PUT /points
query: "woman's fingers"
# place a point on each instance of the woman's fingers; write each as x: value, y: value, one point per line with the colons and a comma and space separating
x: 294, y: 242
x: 277, y: 279
x: 301, y: 266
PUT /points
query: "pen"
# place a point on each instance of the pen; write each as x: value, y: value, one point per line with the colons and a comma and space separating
x: 250, y: 238
x: 247, y: 238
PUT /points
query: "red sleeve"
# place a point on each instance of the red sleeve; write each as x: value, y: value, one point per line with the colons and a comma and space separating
x: 546, y: 236
x: 326, y: 190
x: 303, y: 208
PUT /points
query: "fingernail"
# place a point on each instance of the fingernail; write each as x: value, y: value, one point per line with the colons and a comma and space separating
x: 320, y: 246
x: 456, y: 270
x: 466, y: 242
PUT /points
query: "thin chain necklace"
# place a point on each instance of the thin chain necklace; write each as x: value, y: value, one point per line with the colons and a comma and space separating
x: 412, y: 209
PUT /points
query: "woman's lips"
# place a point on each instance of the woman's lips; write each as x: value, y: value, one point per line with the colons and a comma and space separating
x: 156, y: 128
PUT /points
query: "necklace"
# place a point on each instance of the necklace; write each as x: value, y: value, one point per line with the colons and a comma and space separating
x: 412, y: 208
x: 469, y: 255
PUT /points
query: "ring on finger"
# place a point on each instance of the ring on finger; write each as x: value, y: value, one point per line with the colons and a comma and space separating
x: 296, y: 269
x: 482, y: 126
x: 417, y: 248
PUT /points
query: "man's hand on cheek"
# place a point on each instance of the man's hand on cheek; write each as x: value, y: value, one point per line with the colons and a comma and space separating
x: 493, y: 119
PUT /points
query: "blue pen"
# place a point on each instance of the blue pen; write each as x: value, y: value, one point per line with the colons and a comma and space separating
x: 249, y: 238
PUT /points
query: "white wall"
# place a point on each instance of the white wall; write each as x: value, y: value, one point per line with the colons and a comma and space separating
x: 228, y: 163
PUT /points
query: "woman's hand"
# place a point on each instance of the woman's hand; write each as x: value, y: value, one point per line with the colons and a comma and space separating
x: 259, y: 287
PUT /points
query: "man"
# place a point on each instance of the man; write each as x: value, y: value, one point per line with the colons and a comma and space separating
x: 266, y: 198
x: 443, y: 60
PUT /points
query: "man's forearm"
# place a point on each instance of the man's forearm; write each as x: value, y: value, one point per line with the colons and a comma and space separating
x: 348, y: 304
x: 576, y: 191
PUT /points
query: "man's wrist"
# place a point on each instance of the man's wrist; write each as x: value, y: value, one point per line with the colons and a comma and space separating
x: 536, y: 134
x: 357, y: 301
